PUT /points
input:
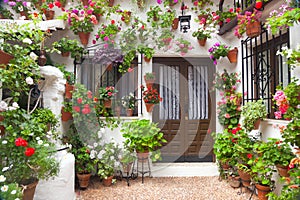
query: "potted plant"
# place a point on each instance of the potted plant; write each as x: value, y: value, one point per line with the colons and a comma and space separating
x: 183, y: 46
x: 148, y: 52
x: 252, y: 113
x: 249, y: 23
x: 65, y: 46
x: 143, y: 136
x: 202, y: 34
x: 82, y: 23
x: 217, y: 51
x: 153, y: 15
x: 165, y: 38
x: 127, y: 159
x: 106, y: 94
x: 107, y: 163
x: 20, y: 7
x: 5, y: 13
x: 84, y: 165
x: 149, y: 78
x: 46, y: 117
x: 66, y: 111
x: 70, y: 81
x: 292, y: 55
x: 128, y: 103
x: 167, y: 19
x: 108, y: 32
x: 226, y: 82
x: 150, y: 97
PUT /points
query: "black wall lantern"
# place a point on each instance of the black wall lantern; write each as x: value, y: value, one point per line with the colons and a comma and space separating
x: 184, y: 20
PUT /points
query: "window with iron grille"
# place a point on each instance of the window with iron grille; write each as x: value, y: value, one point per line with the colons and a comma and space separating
x: 262, y: 69
x: 94, y: 76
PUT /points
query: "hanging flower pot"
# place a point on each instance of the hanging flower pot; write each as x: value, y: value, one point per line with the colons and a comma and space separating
x: 107, y: 181
x: 85, y: 2
x: 253, y: 29
x: 65, y: 54
x: 111, y: 3
x: 282, y: 170
x: 149, y: 82
x: 140, y: 3
x: 84, y: 37
x: 107, y: 103
x: 262, y: 191
x: 149, y: 107
x: 232, y: 55
x: 129, y: 112
x: 69, y: 90
x: 147, y: 59
x: 84, y: 180
x: 65, y: 115
x: 175, y: 23
x: 202, y: 41
x: 5, y: 58
x: 2, y: 128
x: 49, y: 14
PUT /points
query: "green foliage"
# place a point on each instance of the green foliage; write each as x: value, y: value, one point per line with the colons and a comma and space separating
x: 223, y: 146
x: 69, y: 76
x: 142, y: 135
x: 153, y: 15
x: 66, y: 45
x: 229, y: 111
x: 83, y: 162
x: 167, y: 18
x: 149, y: 76
x: 45, y: 116
x: 148, y: 52
x: 226, y: 82
x: 6, y: 13
x: 251, y: 112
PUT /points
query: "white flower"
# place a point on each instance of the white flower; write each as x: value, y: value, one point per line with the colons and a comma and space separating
x: 37, y: 138
x: 15, y: 105
x: 5, y: 169
x: 27, y: 40
x: 4, y: 188
x: 4, y: 142
x: 29, y: 80
x: 2, y: 178
x: 14, y: 192
x: 33, y: 56
x: 28, y: 4
x: 112, y: 157
x: 17, y: 199
x: 93, y: 154
x: 3, y: 106
x: 20, y: 8
x: 31, y: 134
x: 95, y: 144
x: 49, y: 132
x: 40, y: 142
x: 46, y: 145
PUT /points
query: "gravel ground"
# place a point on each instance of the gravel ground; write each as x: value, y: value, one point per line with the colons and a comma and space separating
x: 170, y: 188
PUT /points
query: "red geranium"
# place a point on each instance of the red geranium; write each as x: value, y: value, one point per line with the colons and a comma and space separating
x: 29, y: 151
x: 249, y: 155
x: 151, y: 95
x: 21, y: 142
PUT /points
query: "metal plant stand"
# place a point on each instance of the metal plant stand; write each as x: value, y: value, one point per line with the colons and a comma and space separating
x: 142, y: 170
x: 127, y: 174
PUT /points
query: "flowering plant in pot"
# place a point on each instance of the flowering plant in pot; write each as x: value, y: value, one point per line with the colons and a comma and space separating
x: 26, y: 151
x: 9, y: 190
x: 203, y: 33
x: 250, y: 19
x: 226, y: 82
x: 167, y: 18
x: 22, y: 6
x: 108, y: 32
x: 148, y: 52
x: 217, y: 51
x: 153, y: 15
x: 183, y: 46
x: 65, y: 46
x: 106, y: 94
x: 165, y: 38
x: 292, y: 55
x: 142, y: 136
x: 229, y: 111
x: 128, y: 102
x: 150, y: 97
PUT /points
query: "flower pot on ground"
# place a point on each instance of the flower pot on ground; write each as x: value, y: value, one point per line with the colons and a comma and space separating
x: 262, y: 191
x: 84, y: 180
x: 5, y: 58
x: 253, y: 29
x: 245, y: 177
x: 234, y: 181
x: 107, y: 181
x: 28, y: 193
x: 232, y: 55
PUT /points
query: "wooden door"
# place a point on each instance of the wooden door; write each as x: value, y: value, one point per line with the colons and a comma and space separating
x: 185, y: 113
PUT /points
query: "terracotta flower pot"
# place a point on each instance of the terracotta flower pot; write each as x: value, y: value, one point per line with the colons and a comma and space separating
x: 84, y: 37
x: 65, y: 54
x: 232, y: 55
x: 245, y: 177
x: 202, y: 41
x: 84, y: 180
x: 28, y: 193
x: 2, y: 128
x: 282, y: 170
x: 111, y: 3
x: 117, y: 111
x: 5, y: 58
x: 24, y: 14
x: 234, y: 181
x: 253, y: 29
x: 107, y: 103
x: 142, y: 156
x: 262, y: 191
x: 85, y: 2
x: 49, y: 14
x: 107, y: 181
x: 68, y: 91
x: 175, y: 23
x: 65, y: 116
x: 149, y: 107
x: 147, y: 60
x: 129, y: 112
x: 256, y: 124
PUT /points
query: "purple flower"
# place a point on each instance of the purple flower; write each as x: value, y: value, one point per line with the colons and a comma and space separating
x: 175, y: 1
x: 82, y: 12
x: 217, y: 44
x: 211, y: 49
x: 5, y: 1
x: 11, y: 3
x: 211, y: 57
x: 215, y: 62
x: 159, y: 1
x: 75, y: 11
x: 24, y: 3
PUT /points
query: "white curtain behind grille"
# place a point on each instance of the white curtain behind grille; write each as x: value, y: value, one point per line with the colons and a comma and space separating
x: 198, y: 92
x: 169, y: 91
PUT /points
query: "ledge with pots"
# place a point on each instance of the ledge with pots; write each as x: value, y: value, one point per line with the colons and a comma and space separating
x: 44, y: 25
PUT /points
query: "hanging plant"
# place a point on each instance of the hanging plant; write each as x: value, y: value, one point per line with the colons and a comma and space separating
x: 107, y: 55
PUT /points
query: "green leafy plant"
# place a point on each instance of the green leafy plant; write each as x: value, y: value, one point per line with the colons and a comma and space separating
x: 129, y: 101
x: 165, y: 38
x: 217, y: 51
x: 203, y: 32
x: 167, y: 18
x: 142, y: 135
x: 149, y: 76
x: 153, y: 15
x: 5, y: 13
x: 84, y: 164
x: 251, y: 112
x: 66, y: 45
x: 229, y: 111
x: 148, y: 52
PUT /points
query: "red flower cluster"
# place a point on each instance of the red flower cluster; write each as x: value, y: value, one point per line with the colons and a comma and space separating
x: 151, y: 95
x: 21, y: 142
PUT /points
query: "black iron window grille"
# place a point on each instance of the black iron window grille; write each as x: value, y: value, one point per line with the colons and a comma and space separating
x: 262, y: 69
x: 94, y: 75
